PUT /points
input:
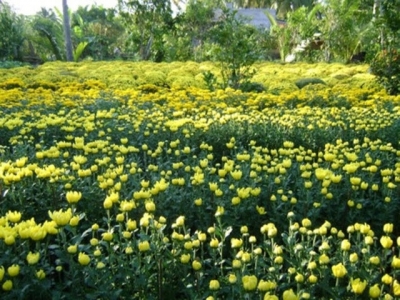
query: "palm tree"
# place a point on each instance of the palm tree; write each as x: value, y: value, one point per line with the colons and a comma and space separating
x: 67, y: 31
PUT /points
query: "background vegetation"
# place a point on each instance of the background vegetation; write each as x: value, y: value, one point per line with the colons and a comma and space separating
x: 330, y: 31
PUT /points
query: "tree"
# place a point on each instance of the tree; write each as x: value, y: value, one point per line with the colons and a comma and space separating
x: 147, y: 21
x: 47, y: 35
x: 386, y: 63
x: 101, y: 29
x: 11, y: 33
x: 298, y: 32
x: 191, y: 32
x: 235, y: 48
x: 343, y: 26
x: 67, y: 31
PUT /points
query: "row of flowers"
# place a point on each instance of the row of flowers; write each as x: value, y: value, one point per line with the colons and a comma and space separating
x: 307, y: 263
x: 182, y: 82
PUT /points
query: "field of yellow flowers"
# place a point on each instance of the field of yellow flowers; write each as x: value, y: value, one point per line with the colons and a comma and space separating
x: 132, y: 181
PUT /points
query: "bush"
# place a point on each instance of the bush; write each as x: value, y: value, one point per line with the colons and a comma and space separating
x: 386, y: 67
x: 306, y: 81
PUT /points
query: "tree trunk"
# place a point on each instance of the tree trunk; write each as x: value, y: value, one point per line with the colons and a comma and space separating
x: 67, y: 31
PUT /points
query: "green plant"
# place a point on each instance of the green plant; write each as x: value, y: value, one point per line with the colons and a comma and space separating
x: 306, y: 81
x: 11, y: 33
x: 235, y: 48
x: 386, y: 67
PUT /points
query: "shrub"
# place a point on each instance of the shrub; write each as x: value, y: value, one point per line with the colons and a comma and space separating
x: 386, y: 67
x: 306, y: 81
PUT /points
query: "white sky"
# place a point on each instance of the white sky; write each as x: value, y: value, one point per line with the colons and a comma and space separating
x: 30, y: 7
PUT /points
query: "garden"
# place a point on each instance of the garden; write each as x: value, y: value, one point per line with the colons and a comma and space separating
x: 134, y: 181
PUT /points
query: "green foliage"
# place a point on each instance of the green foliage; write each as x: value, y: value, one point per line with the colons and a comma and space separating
x: 48, y: 39
x: 386, y: 63
x: 79, y: 50
x: 11, y: 33
x: 235, y: 48
x: 101, y: 29
x: 191, y: 32
x: 343, y: 26
x: 11, y: 64
x: 147, y: 22
x: 386, y: 67
x: 306, y: 81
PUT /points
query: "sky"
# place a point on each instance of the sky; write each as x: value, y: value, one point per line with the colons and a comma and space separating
x: 30, y: 7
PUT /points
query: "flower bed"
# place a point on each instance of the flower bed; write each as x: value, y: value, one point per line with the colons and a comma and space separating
x: 154, y: 191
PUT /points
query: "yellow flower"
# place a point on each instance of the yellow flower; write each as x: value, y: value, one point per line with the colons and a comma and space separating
x: 144, y: 246
x: 355, y: 180
x: 339, y: 270
x: 323, y: 259
x: 312, y: 279
x: 368, y: 240
x: 220, y: 211
x: 107, y: 204
x: 214, y: 243
x: 386, y: 242
x: 249, y: 282
x: 131, y: 224
x: 290, y: 295
x: 375, y: 291
x: 374, y: 260
x: 13, y: 270
x: 358, y: 286
x: 299, y: 277
x: 236, y: 243
x: 387, y: 279
x: 261, y: 210
x: 388, y: 228
x: 72, y: 249
x: 353, y: 257
x: 236, y: 264
x: 13, y: 217
x: 345, y: 245
x: 107, y: 236
x: 396, y: 288
x: 150, y: 206
x: 214, y: 285
x: 37, y: 233
x: 120, y: 217
x: 236, y: 174
x: 61, y: 217
x: 83, y: 259
x: 265, y: 286
x: 126, y: 206
x: 40, y: 274
x: 7, y: 285
x: 180, y: 221
x: 74, y: 221
x: 32, y: 258
x: 232, y: 278
x: 128, y: 250
x: 196, y: 265
x: 396, y: 262
x: 278, y: 260
x: 306, y: 222
x: 246, y: 257
x: 73, y: 197
x: 2, y: 271
x: 184, y: 258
